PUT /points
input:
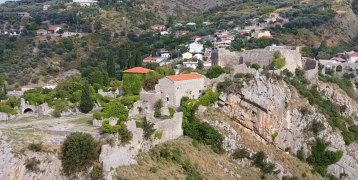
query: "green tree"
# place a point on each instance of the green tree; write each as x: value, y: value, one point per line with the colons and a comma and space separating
x: 80, y: 151
x: 200, y: 65
x: 137, y: 59
x: 122, y: 59
x: 215, y: 72
x: 86, y: 104
x: 111, y: 67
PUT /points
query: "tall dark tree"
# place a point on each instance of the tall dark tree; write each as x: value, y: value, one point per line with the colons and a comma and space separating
x: 86, y: 104
x: 111, y: 67
x: 137, y: 59
x: 122, y: 59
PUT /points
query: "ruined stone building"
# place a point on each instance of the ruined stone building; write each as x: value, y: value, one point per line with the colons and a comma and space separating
x: 263, y: 57
x: 173, y: 88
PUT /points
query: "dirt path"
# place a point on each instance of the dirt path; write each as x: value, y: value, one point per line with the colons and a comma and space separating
x: 47, y: 121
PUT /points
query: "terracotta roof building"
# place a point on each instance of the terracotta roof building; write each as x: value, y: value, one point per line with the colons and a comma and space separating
x: 149, y: 59
x: 133, y: 80
x: 139, y: 70
x: 173, y: 88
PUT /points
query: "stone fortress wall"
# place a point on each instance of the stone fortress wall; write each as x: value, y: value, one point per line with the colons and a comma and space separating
x: 117, y: 155
x: 263, y: 57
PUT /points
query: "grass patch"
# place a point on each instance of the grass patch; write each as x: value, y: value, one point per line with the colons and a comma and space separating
x: 83, y: 120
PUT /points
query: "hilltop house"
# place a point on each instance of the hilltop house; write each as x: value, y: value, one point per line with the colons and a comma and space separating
x: 196, y: 48
x: 158, y: 27
x: 195, y: 38
x: 353, y: 57
x: 133, y: 80
x: 149, y: 59
x: 187, y: 55
x: 173, y: 88
x: 53, y: 29
x: 261, y: 33
x: 190, y: 64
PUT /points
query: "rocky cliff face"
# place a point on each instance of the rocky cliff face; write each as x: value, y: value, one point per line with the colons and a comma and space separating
x: 271, y: 110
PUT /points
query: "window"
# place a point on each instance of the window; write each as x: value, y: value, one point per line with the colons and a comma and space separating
x: 167, y: 96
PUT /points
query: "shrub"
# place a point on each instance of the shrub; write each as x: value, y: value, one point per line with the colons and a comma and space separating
x: 348, y: 137
x: 32, y: 164
x: 56, y: 113
x: 35, y: 147
x: 172, y: 111
x: 125, y: 134
x: 129, y: 100
x: 80, y: 151
x: 274, y: 135
x: 317, y: 127
x: 259, y: 160
x: 153, y: 169
x: 255, y: 66
x: 115, y: 109
x: 301, y: 155
x: 97, y: 172
x: 209, y: 98
x: 171, y: 155
x: 321, y: 158
x: 304, y: 111
x: 240, y: 153
x: 148, y: 129
x: 278, y: 61
x: 159, y: 134
x: 215, y: 72
x: 157, y: 109
x: 107, y: 128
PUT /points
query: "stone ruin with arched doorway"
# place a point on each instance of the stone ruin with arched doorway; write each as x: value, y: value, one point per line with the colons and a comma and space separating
x: 26, y: 109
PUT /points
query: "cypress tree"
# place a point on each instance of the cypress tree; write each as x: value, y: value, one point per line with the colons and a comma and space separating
x: 86, y: 104
x: 138, y: 59
x: 4, y: 90
x: 111, y: 67
x: 122, y: 59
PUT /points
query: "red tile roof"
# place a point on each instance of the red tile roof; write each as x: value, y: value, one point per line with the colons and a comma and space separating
x: 121, y: 86
x: 158, y: 26
x: 149, y: 59
x: 184, y: 77
x: 243, y: 32
x: 195, y: 37
x: 140, y: 70
x: 184, y: 32
x: 278, y: 23
x: 207, y: 54
x: 355, y: 54
x: 52, y: 28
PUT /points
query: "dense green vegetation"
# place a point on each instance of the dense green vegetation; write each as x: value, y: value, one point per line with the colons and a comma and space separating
x: 197, y: 129
x: 174, y: 155
x: 133, y: 83
x: 113, y: 109
x: 80, y: 151
x: 209, y: 98
x: 321, y: 158
x: 215, y: 72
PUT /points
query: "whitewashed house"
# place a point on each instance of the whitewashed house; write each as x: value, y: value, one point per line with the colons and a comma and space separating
x: 187, y: 55
x: 196, y: 48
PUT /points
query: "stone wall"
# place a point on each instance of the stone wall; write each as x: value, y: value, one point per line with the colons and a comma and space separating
x: 109, y: 93
x: 263, y: 57
x: 4, y: 116
x: 119, y: 155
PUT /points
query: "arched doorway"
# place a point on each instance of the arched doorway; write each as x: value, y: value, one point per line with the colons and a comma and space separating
x: 28, y: 111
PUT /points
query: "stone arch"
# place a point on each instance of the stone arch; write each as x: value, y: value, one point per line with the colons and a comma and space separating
x: 28, y: 110
x: 339, y: 68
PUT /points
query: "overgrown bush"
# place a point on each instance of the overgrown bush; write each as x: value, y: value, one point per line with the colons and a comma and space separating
x: 321, y: 158
x: 255, y: 66
x: 97, y: 172
x: 129, y: 100
x: 317, y: 127
x: 148, y: 129
x: 259, y: 160
x: 80, y: 151
x: 107, y: 128
x: 215, y: 72
x: 35, y: 147
x: 32, y: 164
x: 209, y: 98
x: 198, y: 130
x: 278, y: 61
x: 125, y: 135
x: 240, y: 153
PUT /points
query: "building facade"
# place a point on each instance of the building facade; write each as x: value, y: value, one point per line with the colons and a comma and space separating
x: 173, y: 88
